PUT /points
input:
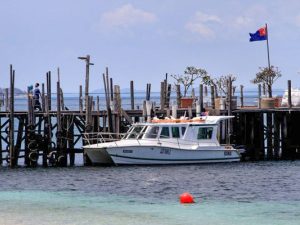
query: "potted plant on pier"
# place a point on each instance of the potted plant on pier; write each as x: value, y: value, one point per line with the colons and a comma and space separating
x: 223, y: 89
x: 267, y: 76
x: 191, y: 74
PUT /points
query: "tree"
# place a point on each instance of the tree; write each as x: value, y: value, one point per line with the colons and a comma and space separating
x: 191, y: 74
x: 220, y: 83
x: 267, y: 76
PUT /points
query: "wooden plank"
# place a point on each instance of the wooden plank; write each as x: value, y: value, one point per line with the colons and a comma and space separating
x: 126, y: 116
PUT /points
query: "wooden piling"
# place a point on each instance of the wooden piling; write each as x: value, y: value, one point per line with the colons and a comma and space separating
x: 289, y: 94
x: 49, y: 89
x: 148, y: 91
x: 259, y: 96
x: 12, y: 161
x: 168, y: 96
x: 132, y: 94
x: 162, y: 95
x: 201, y: 97
x: 212, y: 96
x: 87, y: 79
x: 43, y: 97
x: 80, y: 99
x: 242, y: 95
x: 178, y: 94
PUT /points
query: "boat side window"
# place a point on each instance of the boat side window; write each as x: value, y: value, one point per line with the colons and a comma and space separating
x: 205, y: 132
x: 175, y: 132
x: 164, y: 132
x: 135, y: 132
x: 152, y: 132
x: 142, y: 132
x: 183, y: 129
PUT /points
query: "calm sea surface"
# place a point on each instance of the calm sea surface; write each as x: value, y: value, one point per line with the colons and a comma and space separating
x: 234, y: 193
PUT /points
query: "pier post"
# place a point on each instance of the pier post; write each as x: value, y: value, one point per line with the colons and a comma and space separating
x: 43, y: 97
x: 289, y: 94
x: 12, y: 161
x: 178, y: 94
x: 49, y: 89
x: 80, y: 99
x: 201, y: 102
x: 242, y: 95
x: 269, y: 135
x: 162, y: 95
x: 259, y: 96
x: 70, y: 137
x: 132, y: 94
x: 212, y: 96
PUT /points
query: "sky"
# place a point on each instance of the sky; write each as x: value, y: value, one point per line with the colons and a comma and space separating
x: 144, y: 40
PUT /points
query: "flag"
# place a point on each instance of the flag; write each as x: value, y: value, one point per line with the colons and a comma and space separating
x: 259, y: 35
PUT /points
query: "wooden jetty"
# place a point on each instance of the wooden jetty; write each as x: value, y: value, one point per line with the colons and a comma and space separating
x: 52, y: 136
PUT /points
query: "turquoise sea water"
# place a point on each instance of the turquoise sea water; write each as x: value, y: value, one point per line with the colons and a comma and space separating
x: 225, y: 194
x: 38, y: 207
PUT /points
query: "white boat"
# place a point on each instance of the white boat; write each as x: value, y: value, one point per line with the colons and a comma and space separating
x: 165, y: 141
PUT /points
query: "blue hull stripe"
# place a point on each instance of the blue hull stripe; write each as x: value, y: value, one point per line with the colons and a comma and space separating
x: 174, y: 160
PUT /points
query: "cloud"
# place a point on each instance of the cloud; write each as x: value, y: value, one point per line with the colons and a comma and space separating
x: 242, y: 21
x: 126, y: 16
x: 201, y: 24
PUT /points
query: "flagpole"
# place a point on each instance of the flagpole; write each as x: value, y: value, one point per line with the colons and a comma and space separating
x: 269, y: 64
x: 268, y: 46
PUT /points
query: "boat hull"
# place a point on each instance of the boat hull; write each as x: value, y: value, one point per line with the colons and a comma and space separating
x: 153, y: 155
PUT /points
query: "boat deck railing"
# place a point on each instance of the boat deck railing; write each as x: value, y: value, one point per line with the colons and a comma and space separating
x: 101, y: 137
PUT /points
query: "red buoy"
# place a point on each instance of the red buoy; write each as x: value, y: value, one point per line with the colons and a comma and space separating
x: 186, y: 198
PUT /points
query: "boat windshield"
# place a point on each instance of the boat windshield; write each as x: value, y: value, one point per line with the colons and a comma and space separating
x: 135, y: 132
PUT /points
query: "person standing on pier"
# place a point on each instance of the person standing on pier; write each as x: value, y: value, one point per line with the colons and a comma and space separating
x: 36, y: 97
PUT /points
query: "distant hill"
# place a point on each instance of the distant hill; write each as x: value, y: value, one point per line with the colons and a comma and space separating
x: 17, y: 91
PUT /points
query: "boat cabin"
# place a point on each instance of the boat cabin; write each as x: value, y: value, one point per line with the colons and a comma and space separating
x: 185, y: 131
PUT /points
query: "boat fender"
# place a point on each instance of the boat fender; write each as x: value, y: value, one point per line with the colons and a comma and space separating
x: 52, y: 157
x: 61, y: 158
x: 33, y: 156
x: 33, y: 145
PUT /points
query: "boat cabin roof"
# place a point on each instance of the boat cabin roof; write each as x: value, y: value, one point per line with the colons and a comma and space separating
x: 204, y: 120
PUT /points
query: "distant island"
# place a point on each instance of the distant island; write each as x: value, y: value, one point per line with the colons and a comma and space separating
x: 16, y: 90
